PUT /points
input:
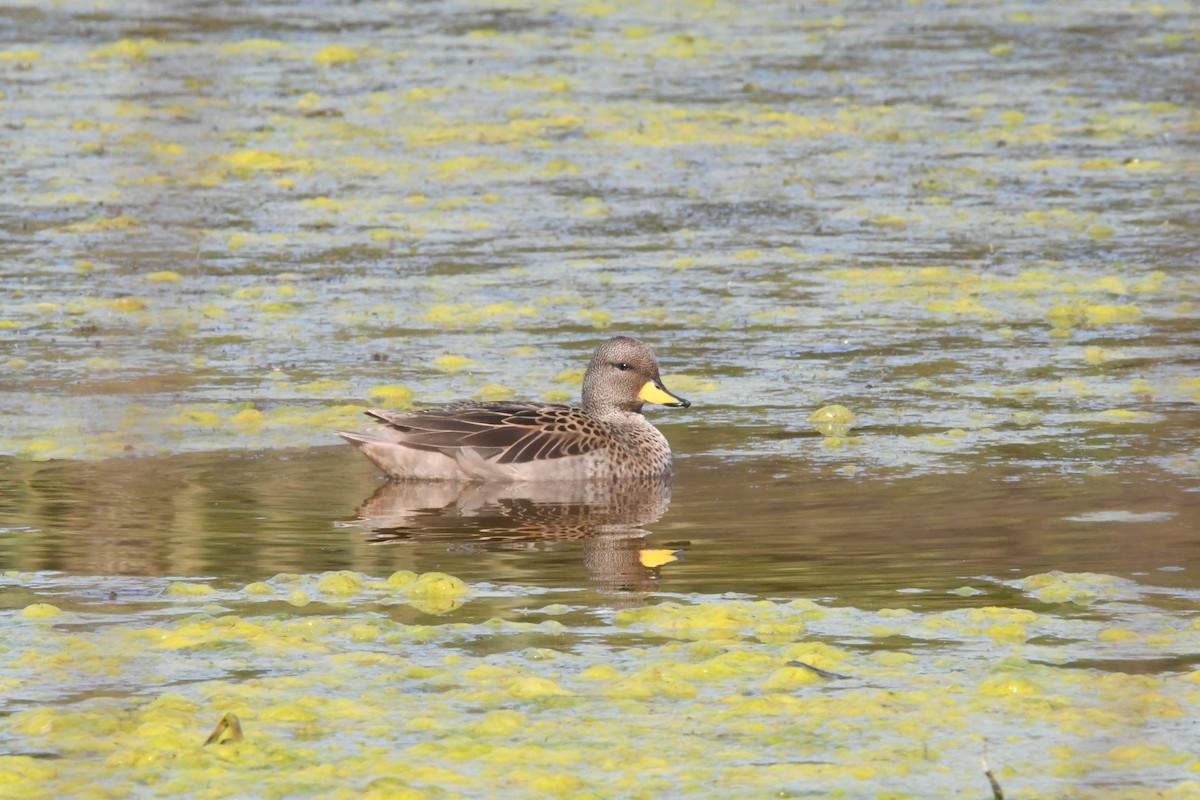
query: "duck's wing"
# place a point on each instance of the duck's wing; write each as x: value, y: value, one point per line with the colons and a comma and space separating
x: 502, y: 433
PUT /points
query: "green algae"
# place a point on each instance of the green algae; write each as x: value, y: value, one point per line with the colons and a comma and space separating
x: 699, y: 702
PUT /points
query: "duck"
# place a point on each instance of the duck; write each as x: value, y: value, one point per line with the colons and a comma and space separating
x: 606, y: 438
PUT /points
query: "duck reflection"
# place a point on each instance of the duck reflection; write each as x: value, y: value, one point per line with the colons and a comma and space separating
x: 607, y: 519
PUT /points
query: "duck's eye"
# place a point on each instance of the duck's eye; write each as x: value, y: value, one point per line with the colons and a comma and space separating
x: 622, y: 366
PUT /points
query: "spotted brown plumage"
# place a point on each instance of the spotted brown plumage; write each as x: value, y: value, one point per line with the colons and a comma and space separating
x: 607, y: 437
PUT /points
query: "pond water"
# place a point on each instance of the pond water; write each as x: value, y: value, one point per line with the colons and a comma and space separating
x: 762, y: 527
x: 228, y: 229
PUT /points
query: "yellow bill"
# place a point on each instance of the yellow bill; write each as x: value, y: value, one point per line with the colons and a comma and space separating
x: 654, y: 392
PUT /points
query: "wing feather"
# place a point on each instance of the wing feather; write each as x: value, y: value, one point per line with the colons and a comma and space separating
x: 509, y: 433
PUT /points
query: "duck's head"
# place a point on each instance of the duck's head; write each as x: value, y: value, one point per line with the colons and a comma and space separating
x: 623, y: 374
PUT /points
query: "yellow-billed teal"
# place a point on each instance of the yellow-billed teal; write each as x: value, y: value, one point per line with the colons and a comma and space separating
x: 606, y: 439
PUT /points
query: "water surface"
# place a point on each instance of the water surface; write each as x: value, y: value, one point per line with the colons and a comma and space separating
x: 761, y: 527
x: 227, y: 229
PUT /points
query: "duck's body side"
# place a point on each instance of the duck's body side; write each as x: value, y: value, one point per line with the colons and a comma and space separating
x: 512, y: 442
x: 606, y: 438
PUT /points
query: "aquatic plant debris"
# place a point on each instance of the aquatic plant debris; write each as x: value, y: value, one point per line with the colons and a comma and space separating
x: 229, y: 729
x: 520, y: 692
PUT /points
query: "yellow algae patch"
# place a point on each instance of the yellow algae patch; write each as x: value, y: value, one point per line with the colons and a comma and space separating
x: 250, y: 292
x: 607, y: 672
x: 466, y: 164
x: 1069, y: 316
x: 451, y: 203
x: 788, y: 678
x: 1006, y: 685
x: 571, y: 377
x: 103, y: 363
x: 322, y: 387
x: 833, y: 420
x: 364, y: 633
x: 18, y: 770
x: 252, y: 46
x: 1064, y: 317
x: 40, y: 611
x: 500, y: 723
x: 451, y: 364
x: 459, y: 315
x: 1122, y: 416
x: 1081, y: 588
x: 649, y: 684
x: 387, y: 235
x: 1116, y: 635
x: 897, y: 276
x: 392, y: 395
x: 1111, y: 315
x: 686, y: 384
x: 963, y: 305
x: 298, y: 598
x: 1109, y: 285
x: 435, y: 584
x: 204, y: 419
x: 530, y: 688
x: 889, y: 221
x: 289, y: 712
x: 121, y: 222
x: 20, y: 55
x: 1001, y: 614
x: 401, y: 578
x: 493, y: 392
x: 250, y: 161
x: 564, y: 167
x: 324, y: 202
x: 705, y: 621
x: 40, y: 449
x: 188, y: 590
x: 248, y: 417
x: 418, y: 94
x: 342, y: 583
x: 138, y: 49
x: 163, y: 276
x: 1007, y: 633
x: 167, y: 149
x: 599, y: 319
x: 336, y: 54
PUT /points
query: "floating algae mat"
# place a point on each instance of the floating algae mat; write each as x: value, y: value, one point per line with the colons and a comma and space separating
x: 420, y: 686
